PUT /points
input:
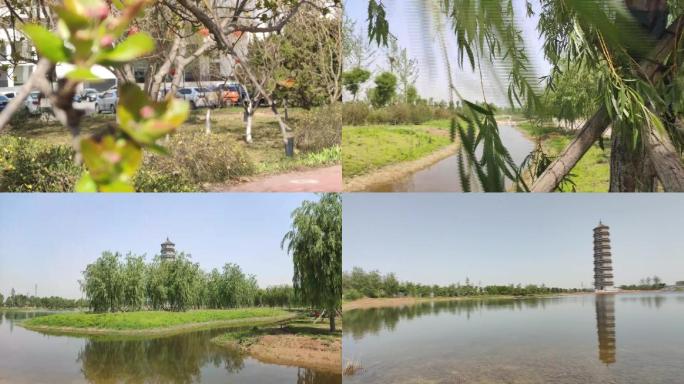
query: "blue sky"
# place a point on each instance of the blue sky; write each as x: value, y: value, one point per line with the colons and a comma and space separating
x: 507, y: 238
x: 406, y: 23
x: 48, y: 239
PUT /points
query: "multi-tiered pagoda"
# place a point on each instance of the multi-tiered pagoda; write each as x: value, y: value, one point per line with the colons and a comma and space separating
x: 168, y: 250
x: 603, y: 263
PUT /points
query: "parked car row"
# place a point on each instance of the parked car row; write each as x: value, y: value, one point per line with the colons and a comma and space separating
x: 212, y: 96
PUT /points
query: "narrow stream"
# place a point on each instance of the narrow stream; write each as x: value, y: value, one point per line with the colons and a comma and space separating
x: 443, y: 176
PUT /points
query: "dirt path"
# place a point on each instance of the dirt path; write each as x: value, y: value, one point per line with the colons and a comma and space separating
x: 316, y: 180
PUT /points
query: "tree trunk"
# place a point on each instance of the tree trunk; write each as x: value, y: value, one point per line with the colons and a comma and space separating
x: 207, y: 122
x: 666, y: 161
x: 554, y: 174
x: 331, y: 313
x: 630, y: 169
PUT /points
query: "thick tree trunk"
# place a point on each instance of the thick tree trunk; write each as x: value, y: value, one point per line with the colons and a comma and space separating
x: 630, y: 169
x: 666, y: 161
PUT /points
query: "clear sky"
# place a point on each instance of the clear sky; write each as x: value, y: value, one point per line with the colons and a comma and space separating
x: 48, y: 239
x: 508, y: 238
x: 407, y: 20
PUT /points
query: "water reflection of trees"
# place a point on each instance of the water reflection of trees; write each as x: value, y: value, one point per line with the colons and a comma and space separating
x: 176, y: 359
x: 647, y: 301
x: 307, y: 376
x: 605, y: 325
x: 361, y: 322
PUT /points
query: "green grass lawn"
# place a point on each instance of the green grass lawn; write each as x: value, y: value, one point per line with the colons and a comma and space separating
x: 146, y: 320
x: 592, y: 172
x: 367, y: 148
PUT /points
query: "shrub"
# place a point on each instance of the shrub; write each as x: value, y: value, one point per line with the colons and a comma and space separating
x: 195, y: 158
x: 28, y: 165
x: 352, y: 294
x: 355, y: 113
x: 319, y: 129
x: 150, y: 180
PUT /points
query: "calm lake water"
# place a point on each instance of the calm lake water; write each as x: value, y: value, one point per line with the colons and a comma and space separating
x: 32, y: 357
x: 443, y: 176
x: 625, y: 338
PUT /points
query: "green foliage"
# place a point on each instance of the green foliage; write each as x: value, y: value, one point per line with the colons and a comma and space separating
x: 103, y: 283
x: 320, y: 129
x: 385, y: 89
x: 277, y: 296
x: 315, y: 243
x: 150, y: 320
x: 30, y: 166
x: 573, y: 95
x: 354, y: 78
x: 358, y: 113
x: 654, y: 283
x: 231, y: 288
x: 52, y: 302
x: 359, y: 283
x: 194, y: 159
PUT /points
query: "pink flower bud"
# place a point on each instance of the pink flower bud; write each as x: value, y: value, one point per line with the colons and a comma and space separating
x: 147, y: 112
x: 106, y: 41
x: 101, y: 12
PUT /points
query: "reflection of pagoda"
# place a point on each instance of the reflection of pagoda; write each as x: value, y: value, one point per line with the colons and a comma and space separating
x: 605, y: 324
x: 603, y: 263
x: 168, y: 250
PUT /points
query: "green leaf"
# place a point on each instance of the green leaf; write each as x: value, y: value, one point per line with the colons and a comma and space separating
x: 86, y: 184
x: 132, y: 48
x: 47, y: 43
x: 82, y: 74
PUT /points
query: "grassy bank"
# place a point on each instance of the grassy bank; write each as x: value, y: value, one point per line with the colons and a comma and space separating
x: 366, y: 303
x: 368, y: 148
x: 154, y: 322
x: 299, y: 343
x: 592, y: 172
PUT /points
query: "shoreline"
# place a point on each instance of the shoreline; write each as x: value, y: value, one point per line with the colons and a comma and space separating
x: 284, y: 346
x: 395, y: 171
x: 368, y: 303
x: 162, y: 331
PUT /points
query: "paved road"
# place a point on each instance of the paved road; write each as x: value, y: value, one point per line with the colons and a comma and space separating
x: 316, y: 180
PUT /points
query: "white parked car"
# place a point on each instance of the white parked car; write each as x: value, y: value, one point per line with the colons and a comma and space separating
x: 198, y: 97
x: 32, y: 103
x: 107, y: 101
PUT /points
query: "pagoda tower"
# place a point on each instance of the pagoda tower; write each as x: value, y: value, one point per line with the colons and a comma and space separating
x: 168, y: 250
x: 603, y: 263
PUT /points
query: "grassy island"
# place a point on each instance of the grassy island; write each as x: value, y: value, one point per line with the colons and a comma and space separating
x: 154, y: 322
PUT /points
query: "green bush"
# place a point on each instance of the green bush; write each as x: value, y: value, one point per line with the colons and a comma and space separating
x: 352, y: 294
x: 149, y: 180
x: 194, y: 158
x: 31, y: 166
x: 319, y: 129
x: 355, y: 113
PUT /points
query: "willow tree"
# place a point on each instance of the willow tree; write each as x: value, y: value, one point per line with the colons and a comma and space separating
x: 634, y: 46
x: 315, y: 243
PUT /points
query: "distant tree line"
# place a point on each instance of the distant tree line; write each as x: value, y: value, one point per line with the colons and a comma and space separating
x: 646, y: 284
x: 116, y: 283
x: 359, y: 283
x: 15, y: 300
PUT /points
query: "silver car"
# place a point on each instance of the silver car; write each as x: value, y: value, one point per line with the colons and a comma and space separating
x: 106, y: 102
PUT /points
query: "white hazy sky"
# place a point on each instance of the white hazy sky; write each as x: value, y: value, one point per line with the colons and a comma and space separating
x: 512, y: 238
x: 407, y: 23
